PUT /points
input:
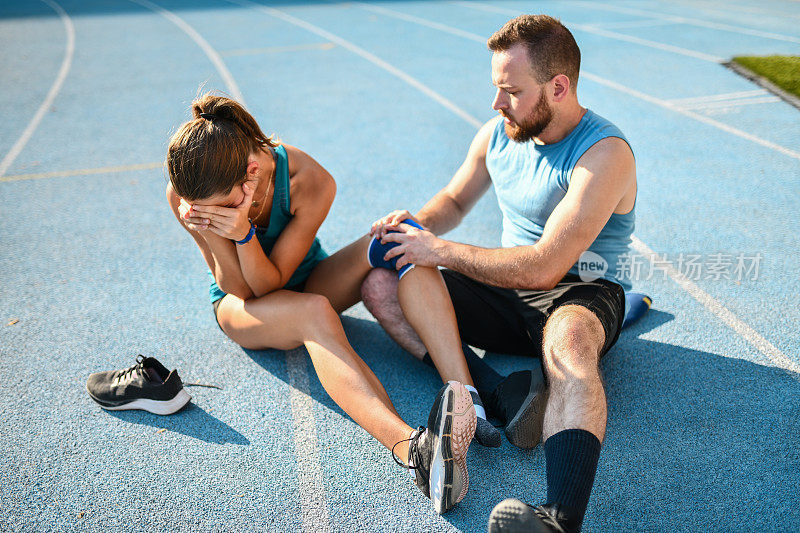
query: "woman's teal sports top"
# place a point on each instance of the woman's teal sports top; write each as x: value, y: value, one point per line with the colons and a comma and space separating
x: 278, y: 219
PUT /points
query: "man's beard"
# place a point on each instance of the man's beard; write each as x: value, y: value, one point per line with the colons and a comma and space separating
x: 532, y: 125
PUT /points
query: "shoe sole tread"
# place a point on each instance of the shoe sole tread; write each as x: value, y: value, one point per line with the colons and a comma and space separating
x: 455, y: 436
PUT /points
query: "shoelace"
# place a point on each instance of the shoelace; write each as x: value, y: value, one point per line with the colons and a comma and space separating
x: 412, y: 440
x: 547, y: 518
x: 138, y: 367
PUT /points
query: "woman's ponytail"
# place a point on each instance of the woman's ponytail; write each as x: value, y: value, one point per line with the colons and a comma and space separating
x: 208, y: 155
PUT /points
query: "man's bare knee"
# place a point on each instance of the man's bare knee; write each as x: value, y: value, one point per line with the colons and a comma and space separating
x: 573, y: 339
x: 379, y: 293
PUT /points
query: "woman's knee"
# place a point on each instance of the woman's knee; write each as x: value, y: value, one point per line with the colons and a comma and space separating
x: 316, y: 314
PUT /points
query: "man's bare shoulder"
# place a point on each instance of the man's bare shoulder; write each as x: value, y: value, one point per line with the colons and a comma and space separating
x: 485, y: 132
x: 610, y: 151
x: 480, y: 143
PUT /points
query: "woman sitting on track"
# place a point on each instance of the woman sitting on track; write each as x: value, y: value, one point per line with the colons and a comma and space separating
x: 253, y: 206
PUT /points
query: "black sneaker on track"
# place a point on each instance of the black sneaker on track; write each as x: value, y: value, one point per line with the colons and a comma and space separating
x: 147, y: 385
x: 519, y: 402
x: 485, y: 433
x: 437, y: 455
x: 514, y: 516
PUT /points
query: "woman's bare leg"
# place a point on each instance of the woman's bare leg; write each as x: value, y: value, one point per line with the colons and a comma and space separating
x: 339, y: 277
x: 422, y: 295
x: 285, y: 320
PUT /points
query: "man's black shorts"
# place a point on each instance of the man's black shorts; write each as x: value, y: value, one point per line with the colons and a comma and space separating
x: 512, y: 320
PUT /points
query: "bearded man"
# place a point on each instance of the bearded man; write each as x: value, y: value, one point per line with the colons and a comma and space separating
x: 565, y: 181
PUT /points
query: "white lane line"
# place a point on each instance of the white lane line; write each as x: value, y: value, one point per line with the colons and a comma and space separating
x: 597, y: 79
x: 310, y: 483
x: 423, y: 22
x: 728, y: 8
x: 66, y: 64
x: 212, y: 54
x: 605, y: 33
x: 83, y: 172
x: 277, y: 49
x: 631, y: 24
x: 700, y: 118
x: 754, y: 338
x: 761, y: 344
x: 734, y: 103
x: 687, y: 20
x: 366, y: 55
x: 717, y: 97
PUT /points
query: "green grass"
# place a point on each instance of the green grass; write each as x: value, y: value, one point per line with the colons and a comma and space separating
x: 783, y: 71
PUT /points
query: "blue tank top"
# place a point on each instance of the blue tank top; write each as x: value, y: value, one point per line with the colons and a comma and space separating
x: 531, y: 179
x: 279, y: 217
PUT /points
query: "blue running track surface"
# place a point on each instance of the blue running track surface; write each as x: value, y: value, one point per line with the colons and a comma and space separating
x: 703, y: 392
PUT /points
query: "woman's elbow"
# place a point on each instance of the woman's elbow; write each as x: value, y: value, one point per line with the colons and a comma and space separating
x: 235, y: 289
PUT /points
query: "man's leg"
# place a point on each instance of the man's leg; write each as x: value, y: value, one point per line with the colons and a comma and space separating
x: 575, y: 417
x: 426, y: 301
x: 379, y: 294
x: 474, y: 317
x: 484, y: 319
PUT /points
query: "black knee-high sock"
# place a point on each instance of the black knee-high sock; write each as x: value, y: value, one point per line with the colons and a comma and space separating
x: 571, y: 457
x: 485, y: 377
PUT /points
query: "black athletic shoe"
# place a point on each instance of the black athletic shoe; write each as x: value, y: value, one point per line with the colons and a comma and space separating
x: 514, y: 516
x: 485, y: 433
x: 519, y: 401
x: 146, y: 385
x: 437, y: 455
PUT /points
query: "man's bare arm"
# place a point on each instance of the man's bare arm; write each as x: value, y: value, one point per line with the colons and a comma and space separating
x: 599, y: 182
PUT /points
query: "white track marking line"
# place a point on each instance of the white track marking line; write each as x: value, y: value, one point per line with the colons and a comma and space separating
x: 212, y: 54
x: 688, y: 20
x: 712, y: 304
x: 423, y: 22
x: 700, y: 118
x: 597, y: 79
x: 366, y: 55
x: 735, y: 103
x: 631, y: 24
x: 66, y: 64
x: 83, y: 172
x: 277, y: 49
x: 717, y: 97
x: 749, y: 334
x: 310, y: 482
x: 711, y: 7
x: 313, y: 504
x: 605, y: 33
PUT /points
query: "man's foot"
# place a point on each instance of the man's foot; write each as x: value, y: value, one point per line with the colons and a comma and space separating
x: 438, y: 455
x: 485, y: 433
x: 147, y: 385
x: 514, y: 516
x: 519, y: 401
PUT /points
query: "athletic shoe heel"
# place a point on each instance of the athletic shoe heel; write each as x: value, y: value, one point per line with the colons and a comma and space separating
x: 462, y: 431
